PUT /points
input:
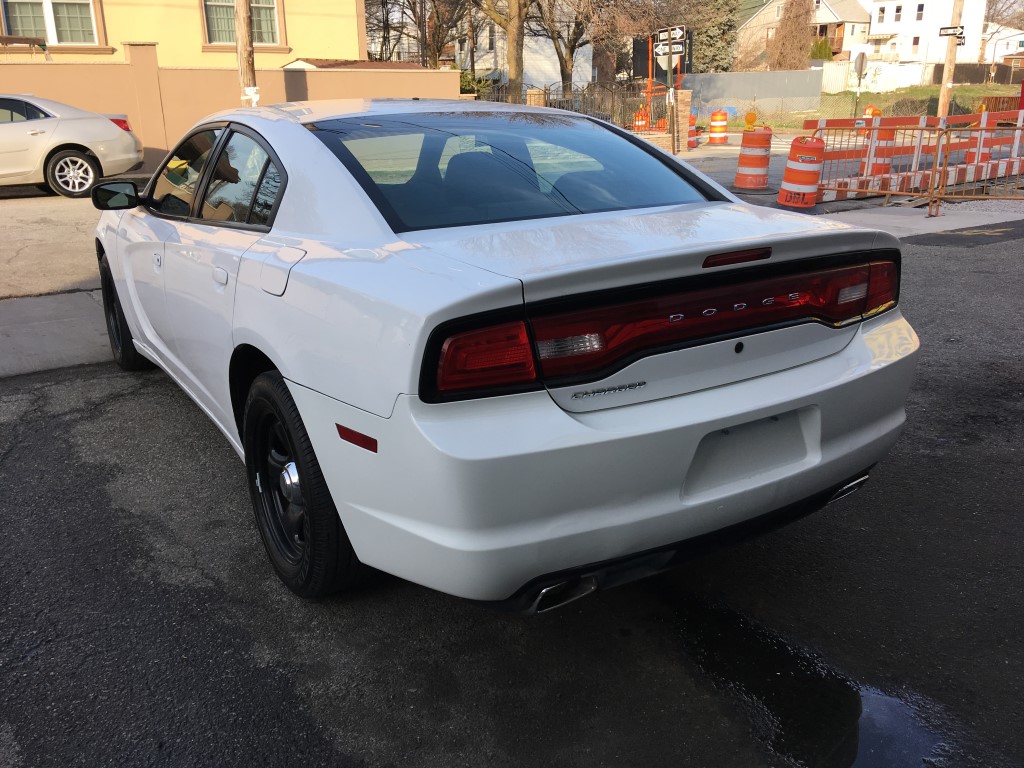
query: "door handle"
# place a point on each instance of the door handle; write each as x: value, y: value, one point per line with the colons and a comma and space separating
x: 157, y: 258
x: 36, y: 133
x: 220, y: 275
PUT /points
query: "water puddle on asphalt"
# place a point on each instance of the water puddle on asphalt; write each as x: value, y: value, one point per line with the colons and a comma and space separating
x: 800, y: 708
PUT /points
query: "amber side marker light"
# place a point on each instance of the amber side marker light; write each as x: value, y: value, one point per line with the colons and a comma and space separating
x: 357, y: 438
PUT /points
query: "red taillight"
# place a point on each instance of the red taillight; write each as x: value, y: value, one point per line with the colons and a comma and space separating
x: 486, y: 358
x: 121, y: 123
x: 596, y: 341
x: 588, y: 344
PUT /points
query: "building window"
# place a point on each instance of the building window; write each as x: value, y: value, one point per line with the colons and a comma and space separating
x: 920, y: 11
x: 771, y: 33
x: 881, y: 14
x: 220, y: 21
x: 56, y: 21
x: 778, y: 12
x: 916, y: 45
x: 490, y: 37
x: 898, y: 14
x: 878, y: 47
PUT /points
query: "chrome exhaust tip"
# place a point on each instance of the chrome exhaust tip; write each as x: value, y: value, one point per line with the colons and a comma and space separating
x: 847, y: 489
x: 563, y: 593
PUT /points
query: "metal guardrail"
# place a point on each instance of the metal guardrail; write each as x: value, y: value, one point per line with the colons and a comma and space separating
x: 996, y: 170
x: 886, y: 157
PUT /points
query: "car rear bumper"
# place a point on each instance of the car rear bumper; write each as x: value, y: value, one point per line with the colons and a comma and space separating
x: 119, y: 155
x: 483, y: 497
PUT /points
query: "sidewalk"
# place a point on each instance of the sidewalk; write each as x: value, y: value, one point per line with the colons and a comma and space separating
x: 40, y: 333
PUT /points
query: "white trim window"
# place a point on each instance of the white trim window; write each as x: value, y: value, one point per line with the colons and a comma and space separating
x: 69, y: 22
x: 220, y: 21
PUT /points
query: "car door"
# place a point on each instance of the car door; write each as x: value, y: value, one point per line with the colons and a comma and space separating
x: 145, y: 231
x: 201, y: 265
x: 25, y: 132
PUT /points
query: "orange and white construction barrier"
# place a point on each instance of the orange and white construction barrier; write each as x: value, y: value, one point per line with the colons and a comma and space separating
x: 641, y: 120
x: 879, y: 153
x: 691, y: 139
x: 719, y: 127
x: 799, y: 187
x: 981, y: 151
x: 755, y: 153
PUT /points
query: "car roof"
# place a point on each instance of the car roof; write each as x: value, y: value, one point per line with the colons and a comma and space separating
x: 55, y: 108
x: 306, y: 112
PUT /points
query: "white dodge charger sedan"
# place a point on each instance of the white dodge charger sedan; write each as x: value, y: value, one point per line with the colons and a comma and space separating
x: 513, y: 354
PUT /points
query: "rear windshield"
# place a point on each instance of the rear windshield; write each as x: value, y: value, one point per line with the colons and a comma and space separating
x: 453, y: 169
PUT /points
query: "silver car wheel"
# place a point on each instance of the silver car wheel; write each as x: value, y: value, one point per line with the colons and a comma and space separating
x: 74, y: 174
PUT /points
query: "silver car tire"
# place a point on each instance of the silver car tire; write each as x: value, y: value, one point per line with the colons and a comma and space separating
x: 72, y: 173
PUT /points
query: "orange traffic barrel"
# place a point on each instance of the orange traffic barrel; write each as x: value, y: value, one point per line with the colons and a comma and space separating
x: 691, y: 139
x: 719, y: 126
x: 640, y: 120
x: 870, y: 113
x: 755, y: 152
x: 878, y: 154
x: 662, y: 125
x: 803, y: 172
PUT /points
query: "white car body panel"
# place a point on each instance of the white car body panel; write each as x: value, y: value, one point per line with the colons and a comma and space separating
x: 478, y: 497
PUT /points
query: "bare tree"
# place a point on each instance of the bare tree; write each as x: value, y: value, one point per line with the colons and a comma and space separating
x: 384, y: 28
x: 1000, y: 15
x: 791, y: 46
x: 438, y: 22
x: 510, y: 16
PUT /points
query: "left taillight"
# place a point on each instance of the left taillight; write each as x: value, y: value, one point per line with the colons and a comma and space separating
x: 495, y: 357
x: 121, y: 123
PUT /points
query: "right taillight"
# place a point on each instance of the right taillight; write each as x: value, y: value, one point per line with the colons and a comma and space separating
x: 597, y: 339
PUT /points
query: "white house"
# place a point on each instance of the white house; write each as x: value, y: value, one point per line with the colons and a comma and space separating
x: 844, y: 23
x: 908, y: 30
x: 540, y: 63
x: 1000, y: 41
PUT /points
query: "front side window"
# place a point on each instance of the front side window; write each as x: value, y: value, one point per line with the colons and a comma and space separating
x: 220, y: 21
x: 17, y: 111
x: 440, y: 170
x: 56, y: 21
x: 234, y: 180
x: 175, y: 186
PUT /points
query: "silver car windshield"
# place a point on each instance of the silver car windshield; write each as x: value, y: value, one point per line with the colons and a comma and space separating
x: 454, y: 169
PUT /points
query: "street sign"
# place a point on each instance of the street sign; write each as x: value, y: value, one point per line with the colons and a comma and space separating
x: 961, y: 40
x: 664, y: 49
x: 671, y: 33
x: 860, y: 65
x: 951, y: 31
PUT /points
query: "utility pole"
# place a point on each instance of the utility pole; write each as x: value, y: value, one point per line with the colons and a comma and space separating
x: 246, y: 60
x: 947, y: 71
x: 472, y: 44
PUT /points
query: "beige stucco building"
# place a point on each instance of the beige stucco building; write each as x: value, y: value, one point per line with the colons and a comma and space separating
x: 190, y: 33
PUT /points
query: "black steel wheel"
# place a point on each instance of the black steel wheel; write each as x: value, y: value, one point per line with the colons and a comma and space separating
x: 295, y: 514
x: 120, y: 335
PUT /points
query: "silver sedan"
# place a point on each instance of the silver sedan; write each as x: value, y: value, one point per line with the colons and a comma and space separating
x: 66, y: 148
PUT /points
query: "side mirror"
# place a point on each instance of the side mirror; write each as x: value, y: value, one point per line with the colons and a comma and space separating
x: 115, y: 196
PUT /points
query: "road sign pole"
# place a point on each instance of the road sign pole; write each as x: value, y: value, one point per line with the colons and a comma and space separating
x: 947, y: 71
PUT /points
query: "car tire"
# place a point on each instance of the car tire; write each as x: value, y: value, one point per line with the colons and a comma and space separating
x: 298, y: 522
x: 72, y: 173
x: 118, y: 333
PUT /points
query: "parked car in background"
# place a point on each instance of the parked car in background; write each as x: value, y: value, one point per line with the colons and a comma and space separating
x: 510, y: 353
x: 66, y: 148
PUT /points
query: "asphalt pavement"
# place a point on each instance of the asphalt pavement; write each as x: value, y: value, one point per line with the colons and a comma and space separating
x: 142, y: 625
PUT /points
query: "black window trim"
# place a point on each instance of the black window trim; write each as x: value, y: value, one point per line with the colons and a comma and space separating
x: 193, y: 217
x: 28, y: 102
x: 398, y: 226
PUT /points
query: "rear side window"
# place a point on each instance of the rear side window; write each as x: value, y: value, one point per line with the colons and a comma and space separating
x: 453, y: 169
x: 16, y: 111
x: 234, y: 180
x: 175, y: 186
